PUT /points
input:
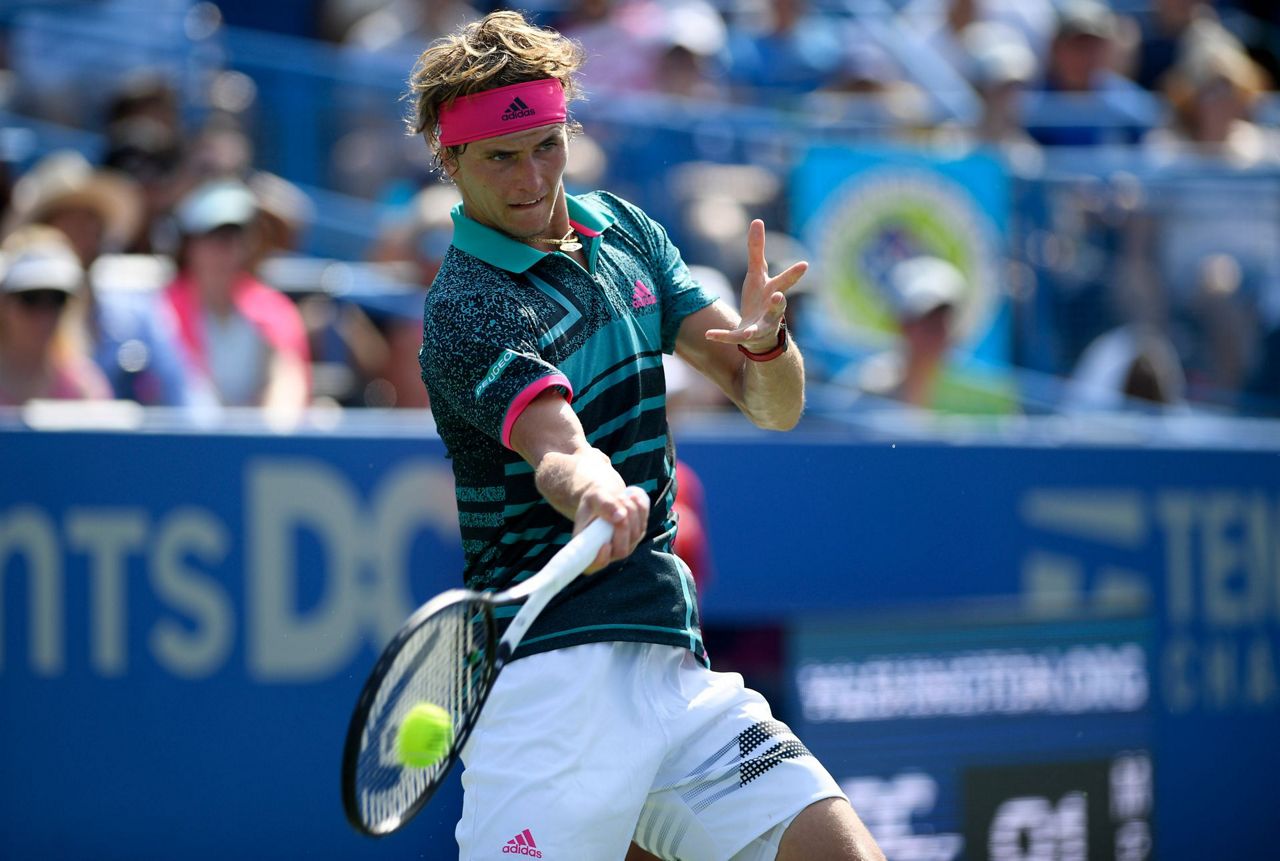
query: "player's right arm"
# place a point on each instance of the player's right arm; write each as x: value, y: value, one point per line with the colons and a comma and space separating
x: 578, y: 480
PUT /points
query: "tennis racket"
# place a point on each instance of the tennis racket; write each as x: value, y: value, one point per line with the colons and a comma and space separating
x: 444, y: 654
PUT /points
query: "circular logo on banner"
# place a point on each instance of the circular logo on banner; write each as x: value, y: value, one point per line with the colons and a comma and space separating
x: 885, y: 216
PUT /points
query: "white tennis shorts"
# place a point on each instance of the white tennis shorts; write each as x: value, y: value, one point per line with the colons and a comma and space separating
x: 580, y: 750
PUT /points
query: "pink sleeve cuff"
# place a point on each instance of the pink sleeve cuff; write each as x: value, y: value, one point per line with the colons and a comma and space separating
x: 526, y: 396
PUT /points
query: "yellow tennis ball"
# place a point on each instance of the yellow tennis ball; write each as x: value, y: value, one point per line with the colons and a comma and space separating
x: 424, y: 736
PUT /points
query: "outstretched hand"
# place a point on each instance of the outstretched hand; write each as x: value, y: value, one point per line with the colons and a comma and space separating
x: 764, y: 299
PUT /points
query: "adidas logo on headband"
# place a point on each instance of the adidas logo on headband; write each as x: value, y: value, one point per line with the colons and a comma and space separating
x: 517, y: 109
x: 481, y: 115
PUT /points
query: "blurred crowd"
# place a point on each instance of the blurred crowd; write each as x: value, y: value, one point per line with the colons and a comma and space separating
x: 168, y: 274
x: 167, y: 267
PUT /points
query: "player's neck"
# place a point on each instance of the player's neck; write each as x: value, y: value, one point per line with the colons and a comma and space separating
x: 560, y: 234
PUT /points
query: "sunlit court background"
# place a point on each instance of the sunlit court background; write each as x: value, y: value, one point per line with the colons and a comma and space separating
x: 1016, y: 576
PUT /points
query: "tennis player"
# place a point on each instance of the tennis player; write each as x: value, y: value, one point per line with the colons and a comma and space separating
x: 544, y: 330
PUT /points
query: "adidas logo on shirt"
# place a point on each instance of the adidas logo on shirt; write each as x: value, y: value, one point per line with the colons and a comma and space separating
x: 522, y: 844
x: 517, y: 109
x: 642, y: 297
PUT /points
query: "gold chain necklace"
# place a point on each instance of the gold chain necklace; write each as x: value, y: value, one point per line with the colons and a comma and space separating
x: 568, y: 243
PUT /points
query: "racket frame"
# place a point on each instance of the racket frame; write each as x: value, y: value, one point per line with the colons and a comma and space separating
x: 538, y: 591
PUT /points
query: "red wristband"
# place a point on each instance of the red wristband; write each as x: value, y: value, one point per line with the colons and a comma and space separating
x: 778, y: 349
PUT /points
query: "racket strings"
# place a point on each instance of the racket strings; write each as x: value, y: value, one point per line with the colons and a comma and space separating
x: 445, y: 661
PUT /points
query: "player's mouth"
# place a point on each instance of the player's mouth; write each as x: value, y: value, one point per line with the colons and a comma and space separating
x: 528, y: 204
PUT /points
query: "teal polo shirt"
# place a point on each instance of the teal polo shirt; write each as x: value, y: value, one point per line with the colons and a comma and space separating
x: 502, y: 323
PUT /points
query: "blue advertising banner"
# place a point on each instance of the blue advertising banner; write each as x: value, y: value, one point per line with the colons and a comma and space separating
x: 979, y: 736
x: 186, y: 624
x: 1190, y: 537
x: 186, y: 619
x: 863, y: 211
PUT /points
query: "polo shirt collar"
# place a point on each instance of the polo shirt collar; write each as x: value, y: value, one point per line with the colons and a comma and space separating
x: 498, y: 249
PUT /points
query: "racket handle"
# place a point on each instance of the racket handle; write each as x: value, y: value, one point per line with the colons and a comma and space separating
x: 569, y: 562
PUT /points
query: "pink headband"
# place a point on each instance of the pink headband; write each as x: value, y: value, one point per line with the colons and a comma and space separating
x: 502, y: 111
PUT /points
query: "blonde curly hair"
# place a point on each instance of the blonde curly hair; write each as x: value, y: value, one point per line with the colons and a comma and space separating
x: 500, y: 49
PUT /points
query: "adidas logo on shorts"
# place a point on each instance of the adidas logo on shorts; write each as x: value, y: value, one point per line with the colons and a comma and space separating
x: 517, y: 109
x: 522, y: 844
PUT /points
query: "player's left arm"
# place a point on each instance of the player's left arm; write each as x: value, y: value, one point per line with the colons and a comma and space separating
x: 770, y: 393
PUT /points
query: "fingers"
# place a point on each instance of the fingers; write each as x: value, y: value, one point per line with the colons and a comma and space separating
x: 763, y: 298
x: 789, y: 277
x: 758, y: 283
x: 756, y: 259
x: 755, y: 249
x: 764, y: 329
x: 628, y: 511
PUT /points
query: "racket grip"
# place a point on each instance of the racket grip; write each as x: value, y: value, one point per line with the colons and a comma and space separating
x: 565, y: 566
x: 591, y: 539
x: 570, y: 561
x: 583, y: 547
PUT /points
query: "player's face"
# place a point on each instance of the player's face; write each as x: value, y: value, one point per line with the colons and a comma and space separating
x: 513, y: 183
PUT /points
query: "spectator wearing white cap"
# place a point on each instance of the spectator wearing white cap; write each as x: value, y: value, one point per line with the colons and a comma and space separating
x: 40, y: 353
x: 927, y: 292
x: 928, y: 295
x: 247, y: 337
